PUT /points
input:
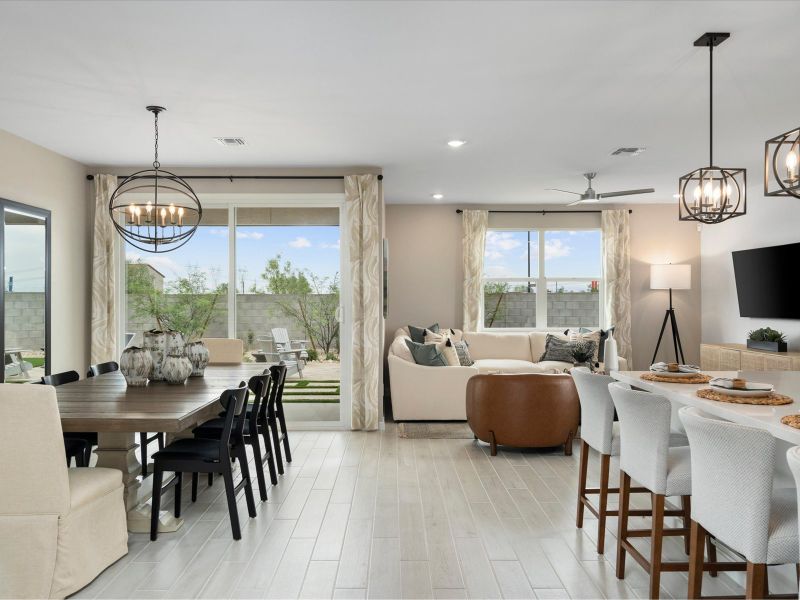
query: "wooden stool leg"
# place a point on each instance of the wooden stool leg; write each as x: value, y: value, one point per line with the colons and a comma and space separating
x: 698, y: 535
x: 622, y: 529
x: 568, y: 444
x: 686, y: 505
x: 493, y: 444
x: 756, y: 586
x: 656, y: 539
x: 583, y: 469
x: 712, y: 554
x: 602, y: 509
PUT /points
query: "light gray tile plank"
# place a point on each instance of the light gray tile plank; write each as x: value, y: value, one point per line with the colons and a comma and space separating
x: 320, y: 579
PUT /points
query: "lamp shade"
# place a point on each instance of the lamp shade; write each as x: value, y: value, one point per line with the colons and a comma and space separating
x: 675, y: 277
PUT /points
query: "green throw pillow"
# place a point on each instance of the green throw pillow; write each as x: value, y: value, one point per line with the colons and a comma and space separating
x: 426, y: 354
x: 417, y: 334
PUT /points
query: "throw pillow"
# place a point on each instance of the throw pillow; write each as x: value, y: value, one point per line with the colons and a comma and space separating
x: 462, y: 350
x: 558, y: 349
x: 601, y: 343
x: 400, y: 349
x: 449, y: 352
x: 417, y: 334
x: 431, y: 337
x: 426, y: 354
x: 589, y: 335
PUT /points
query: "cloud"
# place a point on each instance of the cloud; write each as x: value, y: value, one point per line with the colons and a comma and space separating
x: 253, y: 235
x: 163, y: 264
x: 556, y: 249
x: 334, y: 246
x: 218, y: 231
x: 300, y: 242
x: 499, y: 242
x: 497, y: 271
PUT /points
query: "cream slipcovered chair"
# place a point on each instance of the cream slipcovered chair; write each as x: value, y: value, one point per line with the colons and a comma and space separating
x: 734, y: 501
x: 647, y: 457
x: 224, y: 351
x: 59, y: 527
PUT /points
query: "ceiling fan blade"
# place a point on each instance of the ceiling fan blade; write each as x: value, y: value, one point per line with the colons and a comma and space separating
x: 565, y: 191
x: 574, y: 202
x: 625, y: 193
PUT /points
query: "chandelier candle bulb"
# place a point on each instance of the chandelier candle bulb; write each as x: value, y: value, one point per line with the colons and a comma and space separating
x: 138, y: 216
x: 149, y: 209
x: 163, y: 217
x: 180, y: 217
x: 132, y: 216
x: 172, y: 214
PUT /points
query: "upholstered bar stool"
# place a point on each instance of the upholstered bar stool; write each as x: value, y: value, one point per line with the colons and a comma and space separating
x: 600, y: 433
x: 734, y: 501
x: 647, y: 458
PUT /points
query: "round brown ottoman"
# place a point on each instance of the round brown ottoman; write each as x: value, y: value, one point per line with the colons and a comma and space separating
x: 525, y: 410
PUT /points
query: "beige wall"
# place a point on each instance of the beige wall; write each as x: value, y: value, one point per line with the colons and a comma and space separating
x: 33, y: 175
x: 425, y: 272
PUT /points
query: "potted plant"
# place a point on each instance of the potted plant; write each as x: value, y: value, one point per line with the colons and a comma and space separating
x: 767, y: 339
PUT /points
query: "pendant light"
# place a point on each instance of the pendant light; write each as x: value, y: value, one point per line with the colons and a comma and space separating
x: 782, y: 164
x: 712, y: 194
x: 155, y: 210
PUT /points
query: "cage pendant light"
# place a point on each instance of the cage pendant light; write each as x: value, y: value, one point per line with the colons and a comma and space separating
x: 155, y: 210
x: 712, y: 194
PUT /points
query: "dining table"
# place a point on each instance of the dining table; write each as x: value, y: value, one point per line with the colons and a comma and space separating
x: 763, y: 417
x: 117, y: 412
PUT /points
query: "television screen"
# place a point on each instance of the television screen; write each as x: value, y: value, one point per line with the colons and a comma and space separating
x: 767, y: 281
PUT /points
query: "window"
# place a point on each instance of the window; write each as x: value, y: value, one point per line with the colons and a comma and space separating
x: 542, y: 279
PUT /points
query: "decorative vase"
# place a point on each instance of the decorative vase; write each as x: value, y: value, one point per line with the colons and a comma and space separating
x: 610, y: 354
x: 136, y: 365
x: 175, y: 343
x: 156, y: 343
x: 176, y: 369
x: 197, y: 353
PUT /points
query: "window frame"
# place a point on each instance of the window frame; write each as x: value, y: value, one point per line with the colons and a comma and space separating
x: 541, y: 280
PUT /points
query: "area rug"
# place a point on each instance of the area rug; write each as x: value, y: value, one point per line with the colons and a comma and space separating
x: 435, y: 431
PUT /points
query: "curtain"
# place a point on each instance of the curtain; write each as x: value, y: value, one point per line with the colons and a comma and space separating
x: 474, y: 224
x: 362, y: 203
x: 615, y: 226
x: 104, y: 310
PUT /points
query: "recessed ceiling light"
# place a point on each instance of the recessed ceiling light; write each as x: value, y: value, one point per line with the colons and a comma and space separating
x: 456, y: 143
x: 437, y: 196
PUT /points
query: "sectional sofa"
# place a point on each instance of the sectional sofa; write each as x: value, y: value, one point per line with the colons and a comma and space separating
x: 421, y: 393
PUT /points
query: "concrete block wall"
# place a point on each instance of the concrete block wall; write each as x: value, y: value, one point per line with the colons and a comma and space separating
x: 25, y: 320
x: 564, y: 309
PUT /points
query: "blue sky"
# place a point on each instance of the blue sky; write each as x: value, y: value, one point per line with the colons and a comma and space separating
x: 567, y: 254
x: 311, y: 247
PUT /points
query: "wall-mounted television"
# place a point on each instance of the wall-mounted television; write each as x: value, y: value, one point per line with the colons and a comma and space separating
x: 768, y: 281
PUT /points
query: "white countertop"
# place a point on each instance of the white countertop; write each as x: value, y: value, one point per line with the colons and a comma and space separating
x: 763, y: 417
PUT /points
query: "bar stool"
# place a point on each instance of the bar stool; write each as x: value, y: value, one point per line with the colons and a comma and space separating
x: 732, y: 470
x: 646, y: 457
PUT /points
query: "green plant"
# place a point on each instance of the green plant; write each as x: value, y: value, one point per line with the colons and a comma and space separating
x: 331, y: 356
x: 312, y: 354
x: 251, y: 338
x: 582, y: 352
x: 766, y: 334
x: 499, y: 289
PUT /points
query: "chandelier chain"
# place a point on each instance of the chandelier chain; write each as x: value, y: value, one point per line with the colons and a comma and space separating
x: 156, y: 164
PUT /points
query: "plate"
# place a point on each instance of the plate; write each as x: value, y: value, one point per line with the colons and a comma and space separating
x: 750, y: 393
x: 678, y: 374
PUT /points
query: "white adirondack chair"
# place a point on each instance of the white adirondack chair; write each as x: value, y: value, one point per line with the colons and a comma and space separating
x: 292, y: 352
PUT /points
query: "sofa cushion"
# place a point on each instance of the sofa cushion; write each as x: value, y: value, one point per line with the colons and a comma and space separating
x: 555, y: 366
x: 400, y: 349
x: 507, y: 365
x: 514, y: 346
x: 417, y: 334
x: 426, y: 354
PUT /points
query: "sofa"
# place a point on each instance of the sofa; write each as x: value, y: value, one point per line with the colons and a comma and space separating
x: 422, y: 393
x: 59, y: 527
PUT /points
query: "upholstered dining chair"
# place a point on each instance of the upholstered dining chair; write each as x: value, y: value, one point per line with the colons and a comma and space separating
x: 793, y: 458
x: 59, y: 527
x: 647, y: 457
x: 733, y: 500
x: 144, y: 438
x: 74, y: 441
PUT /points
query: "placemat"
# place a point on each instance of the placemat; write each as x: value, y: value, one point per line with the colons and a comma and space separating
x: 667, y: 378
x: 791, y: 421
x: 774, y: 399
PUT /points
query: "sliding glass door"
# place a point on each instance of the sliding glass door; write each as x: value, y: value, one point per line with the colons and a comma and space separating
x: 25, y: 297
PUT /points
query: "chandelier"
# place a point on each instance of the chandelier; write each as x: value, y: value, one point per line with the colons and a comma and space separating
x: 712, y: 194
x: 155, y: 210
x: 783, y: 150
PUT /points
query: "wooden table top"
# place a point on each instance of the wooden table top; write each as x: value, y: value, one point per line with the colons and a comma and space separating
x: 107, y: 404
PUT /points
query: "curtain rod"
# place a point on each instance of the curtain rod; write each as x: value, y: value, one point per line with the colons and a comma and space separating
x: 542, y: 212
x: 232, y: 177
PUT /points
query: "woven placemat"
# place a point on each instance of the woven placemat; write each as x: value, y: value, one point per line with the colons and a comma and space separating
x: 791, y: 421
x: 667, y: 378
x: 774, y: 399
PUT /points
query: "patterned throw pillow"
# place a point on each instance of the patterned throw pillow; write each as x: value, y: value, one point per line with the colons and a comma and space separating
x: 417, y: 334
x: 601, y: 344
x: 462, y: 350
x: 426, y: 354
x: 449, y: 352
x: 588, y: 335
x: 559, y: 349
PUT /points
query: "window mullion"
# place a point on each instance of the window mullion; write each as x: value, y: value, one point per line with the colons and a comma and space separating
x: 541, y: 285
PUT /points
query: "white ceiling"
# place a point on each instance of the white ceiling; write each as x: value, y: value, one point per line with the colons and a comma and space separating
x: 543, y: 91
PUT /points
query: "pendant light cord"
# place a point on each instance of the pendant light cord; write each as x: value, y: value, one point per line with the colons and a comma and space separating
x: 710, y: 104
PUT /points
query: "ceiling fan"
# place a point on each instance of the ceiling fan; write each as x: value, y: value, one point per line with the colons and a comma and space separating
x: 591, y: 196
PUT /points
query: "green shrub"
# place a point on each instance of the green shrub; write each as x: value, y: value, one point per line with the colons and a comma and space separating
x: 312, y: 354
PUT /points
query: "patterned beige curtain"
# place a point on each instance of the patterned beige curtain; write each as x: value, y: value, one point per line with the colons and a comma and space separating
x: 615, y: 226
x: 474, y: 223
x: 362, y: 202
x: 104, y: 310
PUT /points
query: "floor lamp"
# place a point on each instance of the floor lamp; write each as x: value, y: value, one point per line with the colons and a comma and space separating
x: 670, y: 277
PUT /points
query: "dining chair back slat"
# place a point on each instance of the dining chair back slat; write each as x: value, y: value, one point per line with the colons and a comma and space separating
x: 102, y: 368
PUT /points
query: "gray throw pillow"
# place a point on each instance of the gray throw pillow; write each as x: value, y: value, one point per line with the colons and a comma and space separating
x: 462, y: 349
x: 558, y: 349
x: 417, y: 334
x: 426, y: 354
x: 601, y: 349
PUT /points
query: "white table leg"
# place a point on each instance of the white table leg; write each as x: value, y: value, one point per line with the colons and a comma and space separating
x: 118, y: 451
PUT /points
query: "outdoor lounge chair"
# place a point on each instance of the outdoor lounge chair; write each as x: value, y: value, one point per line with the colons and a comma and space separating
x: 293, y: 353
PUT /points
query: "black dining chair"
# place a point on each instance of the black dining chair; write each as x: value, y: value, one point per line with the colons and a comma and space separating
x: 85, y: 439
x: 144, y: 440
x: 78, y: 449
x: 259, y: 385
x: 198, y: 455
x: 276, y: 417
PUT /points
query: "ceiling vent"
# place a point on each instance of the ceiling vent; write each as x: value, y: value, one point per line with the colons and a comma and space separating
x: 230, y: 142
x: 628, y: 151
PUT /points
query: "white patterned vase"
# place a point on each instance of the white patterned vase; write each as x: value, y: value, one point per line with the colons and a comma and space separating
x: 197, y: 353
x: 136, y: 365
x: 156, y: 343
x: 176, y: 369
x: 175, y: 343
